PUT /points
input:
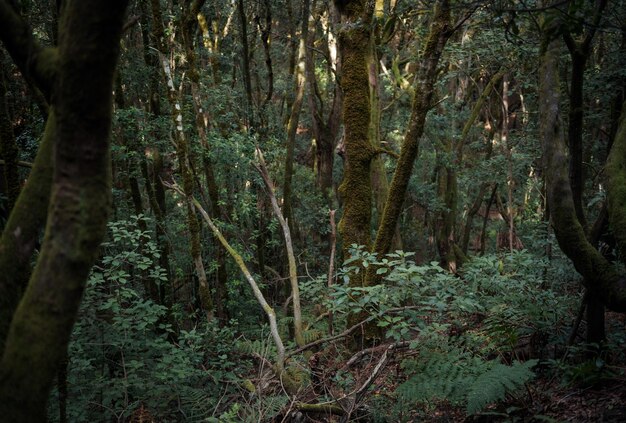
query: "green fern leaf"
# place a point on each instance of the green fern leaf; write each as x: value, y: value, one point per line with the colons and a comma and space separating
x: 494, y: 384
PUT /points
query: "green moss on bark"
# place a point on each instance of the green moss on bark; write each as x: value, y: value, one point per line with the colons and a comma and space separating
x: 23, y: 229
x: 89, y: 35
x: 616, y: 186
x: 599, y: 274
x: 356, y: 187
x: 427, y: 75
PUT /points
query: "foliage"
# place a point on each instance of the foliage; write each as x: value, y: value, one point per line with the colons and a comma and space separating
x: 123, y: 354
x: 459, y: 377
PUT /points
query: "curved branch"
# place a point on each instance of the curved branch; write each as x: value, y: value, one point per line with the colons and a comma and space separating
x: 34, y: 61
x: 599, y: 274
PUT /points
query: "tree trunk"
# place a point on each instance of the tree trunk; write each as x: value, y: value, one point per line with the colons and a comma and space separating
x: 598, y: 273
x: 356, y: 188
x: 427, y: 75
x: 8, y: 146
x: 89, y: 38
x: 294, y: 116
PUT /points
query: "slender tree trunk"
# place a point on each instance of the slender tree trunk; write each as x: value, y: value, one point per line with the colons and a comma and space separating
x: 245, y: 62
x: 294, y: 116
x: 579, y: 52
x: 8, y: 146
x: 202, y: 123
x: 184, y: 162
x: 427, y: 75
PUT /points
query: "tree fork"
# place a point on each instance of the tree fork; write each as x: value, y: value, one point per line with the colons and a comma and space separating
x: 599, y: 274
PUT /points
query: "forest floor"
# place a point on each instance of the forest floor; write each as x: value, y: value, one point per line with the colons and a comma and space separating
x: 581, y: 391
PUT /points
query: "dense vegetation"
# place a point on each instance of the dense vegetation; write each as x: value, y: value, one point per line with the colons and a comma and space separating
x: 312, y: 210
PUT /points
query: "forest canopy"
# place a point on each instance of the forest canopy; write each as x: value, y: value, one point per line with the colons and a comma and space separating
x: 314, y: 210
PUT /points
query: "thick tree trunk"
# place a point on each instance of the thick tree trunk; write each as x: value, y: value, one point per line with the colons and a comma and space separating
x: 89, y: 37
x: 22, y: 231
x: 356, y: 188
x: 598, y: 273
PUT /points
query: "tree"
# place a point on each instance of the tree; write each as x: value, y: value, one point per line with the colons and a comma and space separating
x: 439, y: 33
x: 79, y: 74
x: 600, y: 276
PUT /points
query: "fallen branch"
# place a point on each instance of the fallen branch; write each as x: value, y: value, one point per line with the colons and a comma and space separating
x: 356, y: 357
x: 320, y: 408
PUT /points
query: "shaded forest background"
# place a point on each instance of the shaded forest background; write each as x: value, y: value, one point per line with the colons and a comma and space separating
x: 263, y: 210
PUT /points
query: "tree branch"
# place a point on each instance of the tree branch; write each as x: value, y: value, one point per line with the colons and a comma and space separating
x: 34, y: 61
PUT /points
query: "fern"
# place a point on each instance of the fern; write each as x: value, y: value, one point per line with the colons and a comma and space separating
x: 457, y: 377
x: 312, y: 335
x: 498, y: 381
x: 445, y: 375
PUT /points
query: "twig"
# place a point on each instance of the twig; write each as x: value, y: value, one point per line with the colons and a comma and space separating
x: 357, y: 356
x: 387, y: 152
x: 349, y: 330
x: 19, y: 163
x: 360, y: 393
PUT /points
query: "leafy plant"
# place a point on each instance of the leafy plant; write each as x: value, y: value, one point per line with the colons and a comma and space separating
x: 122, y: 355
x: 462, y: 378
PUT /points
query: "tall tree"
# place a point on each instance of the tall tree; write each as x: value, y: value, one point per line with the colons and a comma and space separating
x: 599, y: 275
x: 356, y: 188
x: 438, y: 35
x: 80, y: 73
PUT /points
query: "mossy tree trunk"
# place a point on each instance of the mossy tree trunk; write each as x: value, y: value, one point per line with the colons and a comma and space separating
x: 184, y: 163
x: 294, y: 116
x: 599, y: 275
x: 28, y: 216
x: 438, y: 35
x: 190, y: 20
x: 579, y: 52
x: 356, y: 187
x: 152, y: 174
x: 89, y: 35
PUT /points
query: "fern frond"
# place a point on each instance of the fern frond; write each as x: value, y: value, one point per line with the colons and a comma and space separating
x: 494, y: 384
x: 312, y: 335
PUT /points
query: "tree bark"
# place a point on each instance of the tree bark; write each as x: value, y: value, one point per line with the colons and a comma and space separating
x: 294, y: 116
x: 356, y: 187
x: 598, y: 273
x: 89, y: 37
x: 427, y: 75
